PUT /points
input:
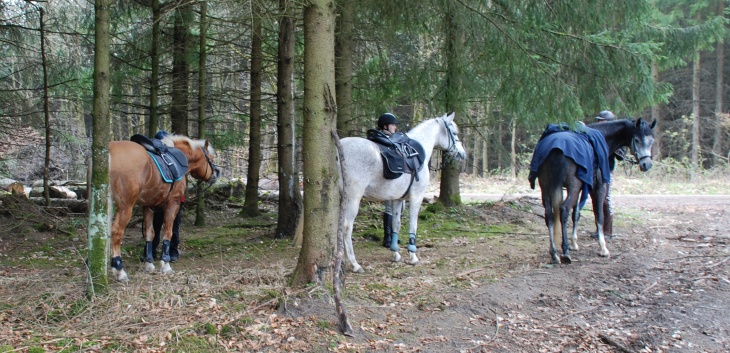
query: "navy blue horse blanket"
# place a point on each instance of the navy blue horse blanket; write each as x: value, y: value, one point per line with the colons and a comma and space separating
x: 586, y: 147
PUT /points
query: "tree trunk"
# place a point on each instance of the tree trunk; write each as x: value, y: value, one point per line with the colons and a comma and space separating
x: 46, y: 111
x: 717, y: 152
x: 449, y: 193
x: 657, y: 156
x: 695, y: 116
x: 290, y: 197
x: 202, y: 103
x: 153, y: 123
x: 322, y: 199
x: 100, y: 206
x: 179, y: 108
x: 251, y: 203
x: 343, y: 68
x: 513, y: 149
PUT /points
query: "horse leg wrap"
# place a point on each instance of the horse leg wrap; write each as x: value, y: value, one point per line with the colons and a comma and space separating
x: 147, y: 256
x: 411, y: 242
x: 117, y: 263
x: 165, y: 251
x: 394, y: 241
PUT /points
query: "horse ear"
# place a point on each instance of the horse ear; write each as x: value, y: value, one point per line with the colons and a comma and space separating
x: 450, y: 116
x: 653, y: 123
x: 638, y: 123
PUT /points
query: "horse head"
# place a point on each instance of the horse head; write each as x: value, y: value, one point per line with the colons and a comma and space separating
x: 200, y: 154
x: 448, y: 140
x: 641, y: 143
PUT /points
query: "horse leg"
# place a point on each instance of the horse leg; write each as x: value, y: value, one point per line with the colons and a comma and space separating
x: 551, y: 202
x: 121, y: 219
x: 148, y: 217
x: 397, y: 213
x: 170, y: 214
x: 573, y: 187
x: 351, y: 209
x: 598, y: 196
x: 414, y: 207
x: 574, y: 236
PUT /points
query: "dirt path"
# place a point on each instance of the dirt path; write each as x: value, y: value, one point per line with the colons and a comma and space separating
x: 664, y: 288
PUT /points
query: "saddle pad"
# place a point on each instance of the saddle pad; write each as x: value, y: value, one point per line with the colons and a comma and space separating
x: 402, y: 158
x: 170, y: 161
x: 172, y: 165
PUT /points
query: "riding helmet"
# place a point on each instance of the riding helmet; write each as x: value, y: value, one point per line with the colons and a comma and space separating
x: 386, y: 119
x: 606, y: 115
x: 161, y: 134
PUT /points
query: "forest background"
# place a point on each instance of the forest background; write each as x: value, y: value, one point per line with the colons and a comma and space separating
x: 233, y: 72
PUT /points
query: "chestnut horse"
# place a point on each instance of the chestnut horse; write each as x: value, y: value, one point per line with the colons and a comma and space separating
x: 135, y: 180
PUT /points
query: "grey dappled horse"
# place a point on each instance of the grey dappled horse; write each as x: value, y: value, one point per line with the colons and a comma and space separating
x: 559, y: 171
x: 363, y: 169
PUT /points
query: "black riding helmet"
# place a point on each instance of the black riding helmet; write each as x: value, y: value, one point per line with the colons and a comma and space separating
x: 386, y: 119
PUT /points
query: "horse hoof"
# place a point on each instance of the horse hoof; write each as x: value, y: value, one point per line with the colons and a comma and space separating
x: 165, y: 268
x: 606, y: 254
x: 122, y: 276
x: 555, y: 260
x: 149, y: 267
x: 413, y: 260
x: 396, y: 258
x: 566, y: 259
x: 357, y: 269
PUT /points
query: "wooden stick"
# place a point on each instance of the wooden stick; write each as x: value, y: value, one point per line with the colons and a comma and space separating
x: 607, y: 340
x: 340, y: 306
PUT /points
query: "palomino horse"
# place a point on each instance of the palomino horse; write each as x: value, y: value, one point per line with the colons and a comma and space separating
x: 363, y: 170
x: 135, y: 180
x: 558, y: 167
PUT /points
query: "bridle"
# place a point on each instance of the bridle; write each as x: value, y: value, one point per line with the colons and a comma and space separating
x: 453, y: 140
x: 633, y: 148
x: 214, y: 170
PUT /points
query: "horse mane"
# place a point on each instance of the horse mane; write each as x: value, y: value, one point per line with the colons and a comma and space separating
x: 422, y: 125
x: 171, y: 139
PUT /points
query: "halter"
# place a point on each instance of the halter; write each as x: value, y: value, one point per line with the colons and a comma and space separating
x: 451, y: 151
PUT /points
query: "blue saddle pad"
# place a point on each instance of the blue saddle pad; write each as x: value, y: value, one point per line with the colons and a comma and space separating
x: 170, y: 161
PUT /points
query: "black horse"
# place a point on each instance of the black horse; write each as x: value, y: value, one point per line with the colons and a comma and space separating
x: 584, y: 170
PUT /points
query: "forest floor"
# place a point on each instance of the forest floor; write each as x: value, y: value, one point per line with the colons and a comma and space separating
x: 484, y: 283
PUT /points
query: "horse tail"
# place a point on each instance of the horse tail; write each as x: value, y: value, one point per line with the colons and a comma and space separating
x: 552, y: 175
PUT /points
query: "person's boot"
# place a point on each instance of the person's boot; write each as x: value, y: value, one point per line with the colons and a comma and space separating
x: 387, y: 229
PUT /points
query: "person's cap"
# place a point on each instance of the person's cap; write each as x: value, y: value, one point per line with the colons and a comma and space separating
x: 386, y: 119
x: 606, y: 115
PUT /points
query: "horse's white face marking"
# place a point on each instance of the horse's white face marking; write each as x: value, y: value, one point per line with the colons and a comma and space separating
x: 641, y: 147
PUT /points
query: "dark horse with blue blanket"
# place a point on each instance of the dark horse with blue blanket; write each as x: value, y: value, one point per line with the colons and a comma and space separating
x: 581, y: 162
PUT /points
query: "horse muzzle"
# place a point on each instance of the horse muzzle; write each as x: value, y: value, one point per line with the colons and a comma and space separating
x: 214, y: 175
x: 645, y: 163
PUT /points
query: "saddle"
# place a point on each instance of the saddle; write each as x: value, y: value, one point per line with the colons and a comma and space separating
x: 400, y: 154
x: 170, y: 161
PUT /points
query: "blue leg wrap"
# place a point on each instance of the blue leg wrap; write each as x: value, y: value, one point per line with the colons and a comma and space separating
x: 117, y: 263
x: 394, y: 242
x: 411, y: 242
x: 165, y: 251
